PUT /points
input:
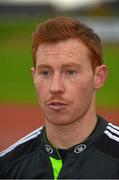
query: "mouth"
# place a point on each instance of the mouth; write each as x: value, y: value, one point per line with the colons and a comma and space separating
x: 57, y: 106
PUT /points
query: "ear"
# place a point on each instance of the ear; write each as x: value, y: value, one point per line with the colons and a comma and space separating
x: 33, y: 72
x: 101, y: 74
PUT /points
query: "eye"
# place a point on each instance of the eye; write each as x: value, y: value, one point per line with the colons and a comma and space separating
x: 45, y: 73
x: 70, y: 72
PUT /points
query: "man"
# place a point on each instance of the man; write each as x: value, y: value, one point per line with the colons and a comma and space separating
x: 74, y: 143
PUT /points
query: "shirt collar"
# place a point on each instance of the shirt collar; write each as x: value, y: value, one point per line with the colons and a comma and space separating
x: 78, y: 149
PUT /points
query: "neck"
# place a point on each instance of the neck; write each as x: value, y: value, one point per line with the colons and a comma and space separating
x: 69, y: 135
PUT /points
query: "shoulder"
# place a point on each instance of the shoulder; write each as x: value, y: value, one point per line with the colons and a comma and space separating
x: 109, y: 142
x: 112, y: 131
x: 19, y: 149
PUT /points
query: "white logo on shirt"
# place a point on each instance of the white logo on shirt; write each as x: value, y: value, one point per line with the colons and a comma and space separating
x: 48, y: 149
x: 80, y: 148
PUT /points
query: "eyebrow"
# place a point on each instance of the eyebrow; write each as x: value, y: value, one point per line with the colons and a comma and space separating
x: 41, y: 66
x: 72, y: 65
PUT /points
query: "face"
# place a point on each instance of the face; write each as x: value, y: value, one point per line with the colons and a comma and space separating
x: 64, y: 81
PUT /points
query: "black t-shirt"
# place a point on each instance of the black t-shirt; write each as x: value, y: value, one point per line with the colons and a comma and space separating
x: 95, y: 158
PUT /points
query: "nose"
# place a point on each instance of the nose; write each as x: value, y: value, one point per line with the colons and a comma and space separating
x: 57, y: 85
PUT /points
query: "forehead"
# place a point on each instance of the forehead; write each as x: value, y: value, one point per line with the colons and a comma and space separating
x: 70, y: 50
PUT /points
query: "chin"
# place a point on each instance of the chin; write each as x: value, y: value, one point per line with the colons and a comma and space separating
x: 58, y: 121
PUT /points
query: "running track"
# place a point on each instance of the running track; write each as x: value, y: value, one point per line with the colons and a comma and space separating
x: 19, y: 120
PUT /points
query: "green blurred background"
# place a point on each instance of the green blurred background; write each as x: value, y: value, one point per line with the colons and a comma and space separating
x: 15, y: 62
x: 19, y: 112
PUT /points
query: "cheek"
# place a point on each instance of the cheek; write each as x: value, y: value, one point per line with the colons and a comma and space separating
x: 82, y: 89
x: 85, y: 86
x: 41, y: 89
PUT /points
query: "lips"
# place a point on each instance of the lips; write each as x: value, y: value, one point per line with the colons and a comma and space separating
x: 56, y: 106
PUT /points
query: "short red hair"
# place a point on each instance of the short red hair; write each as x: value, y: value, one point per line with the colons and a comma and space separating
x: 63, y: 28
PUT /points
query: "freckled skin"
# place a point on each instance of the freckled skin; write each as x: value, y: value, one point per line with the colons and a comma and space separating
x: 56, y: 81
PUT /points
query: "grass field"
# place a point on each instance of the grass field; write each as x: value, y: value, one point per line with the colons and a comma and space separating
x: 15, y: 62
x: 16, y: 82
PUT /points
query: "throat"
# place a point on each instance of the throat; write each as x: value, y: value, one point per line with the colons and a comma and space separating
x: 65, y: 137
